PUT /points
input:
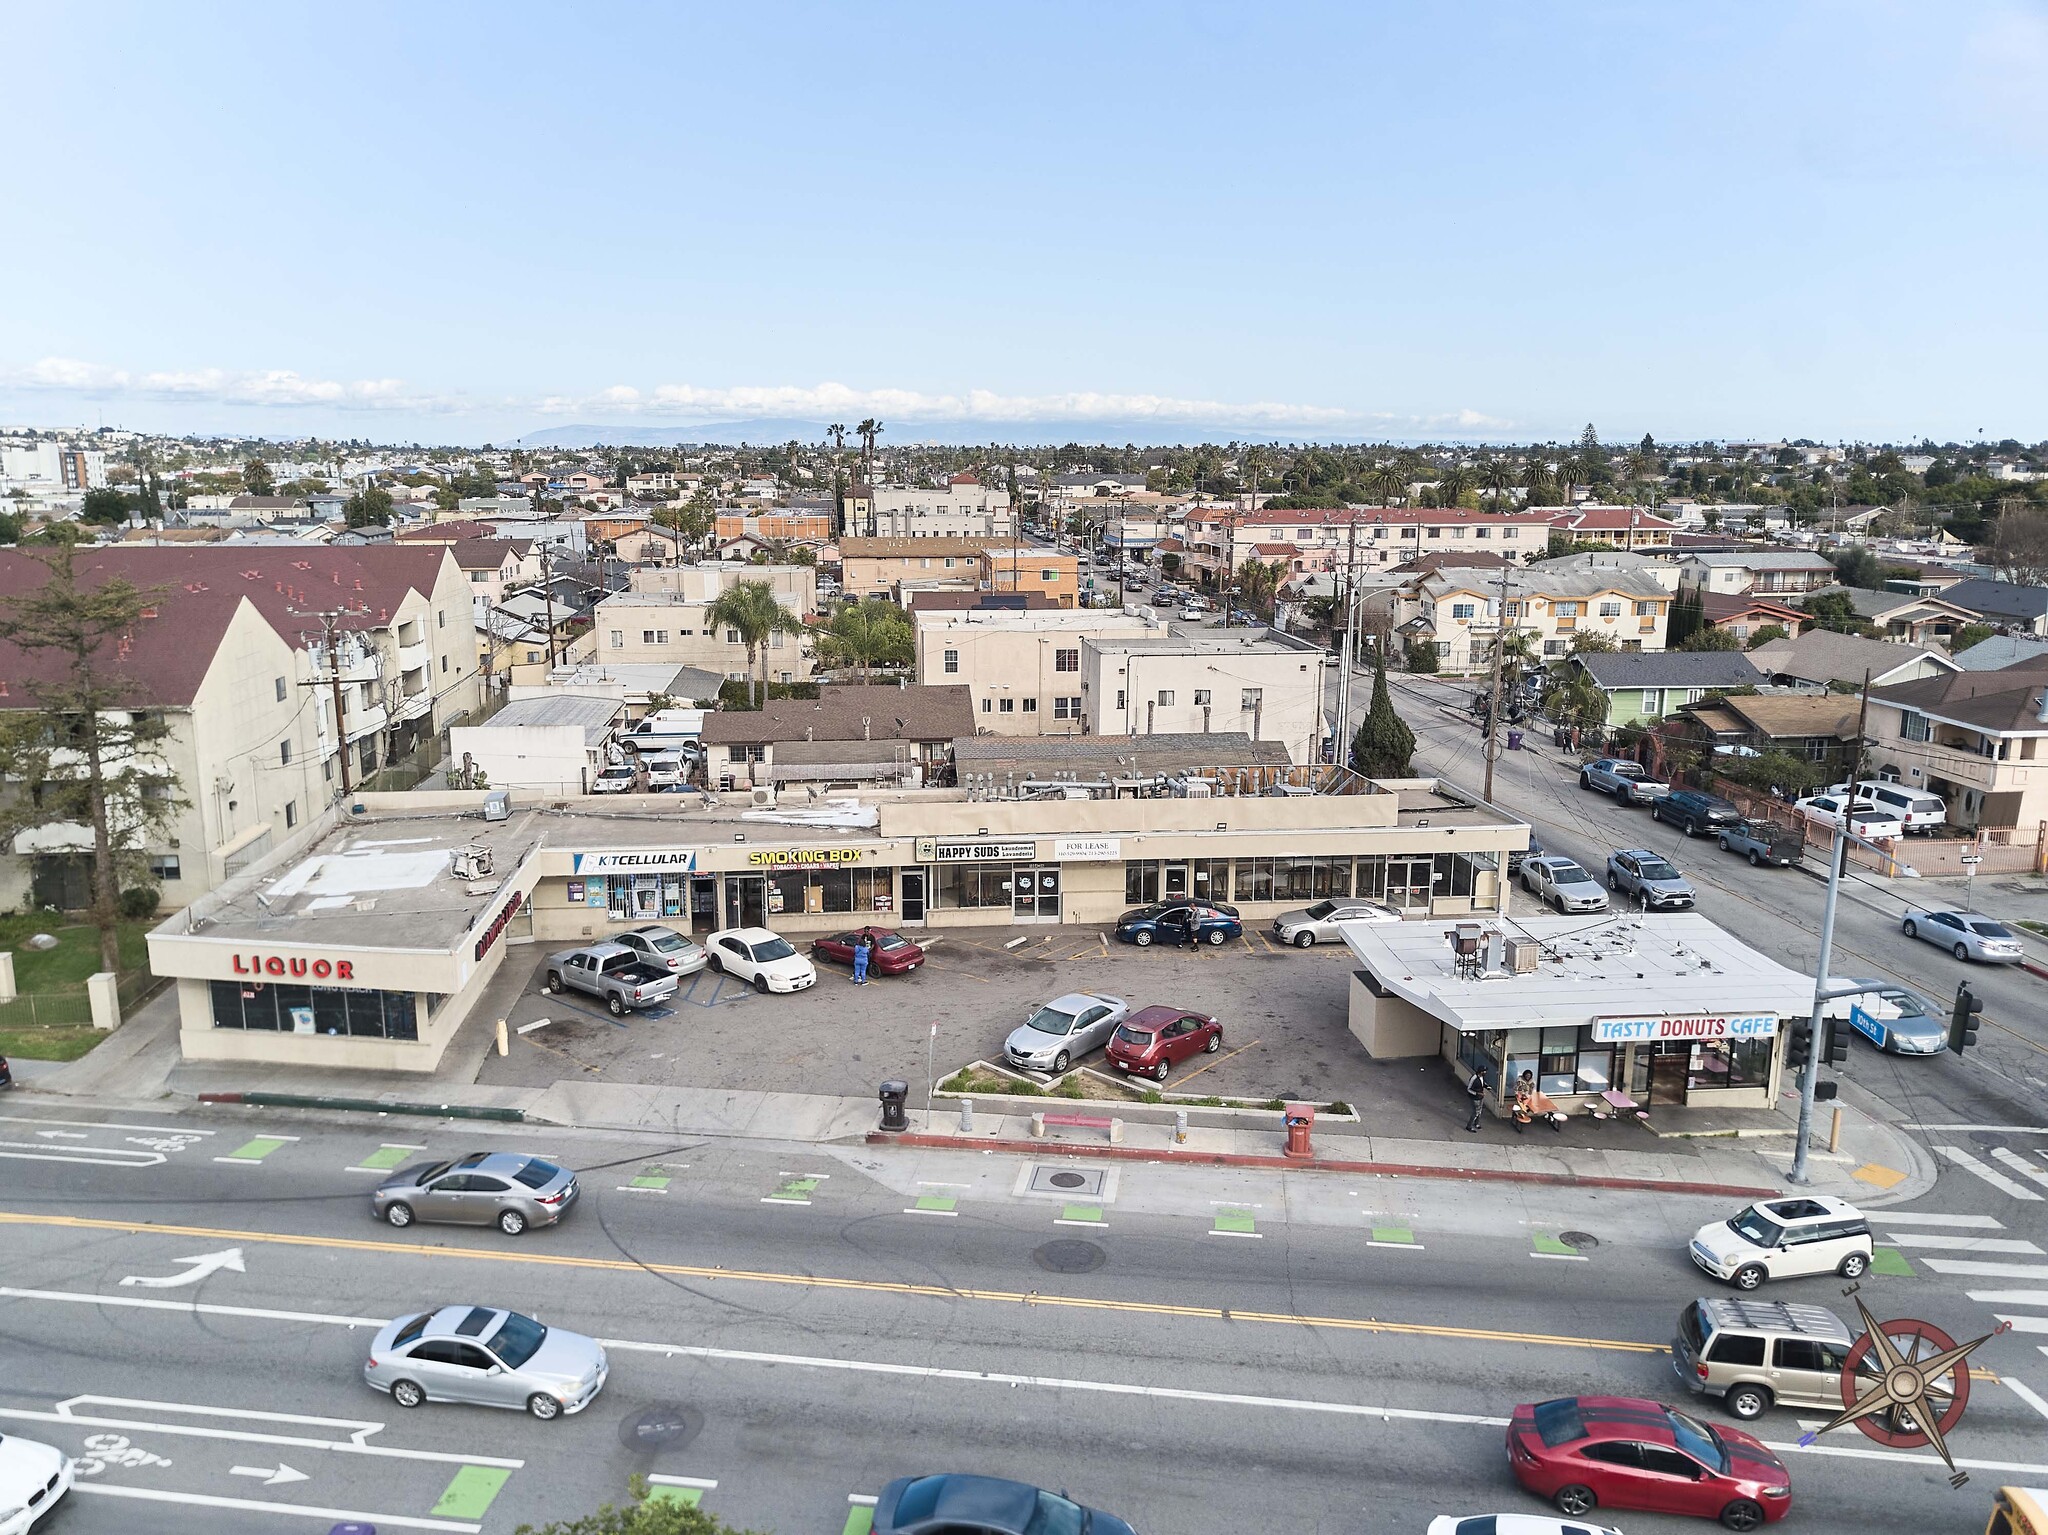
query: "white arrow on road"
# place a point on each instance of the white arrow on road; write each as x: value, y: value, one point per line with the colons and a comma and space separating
x: 59, y: 1135
x: 272, y: 1476
x: 202, y: 1265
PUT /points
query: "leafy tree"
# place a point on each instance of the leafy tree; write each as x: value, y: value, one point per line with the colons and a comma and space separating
x: 107, y: 507
x: 1855, y: 565
x: 10, y: 528
x: 1766, y: 634
x: 1834, y: 611
x: 693, y: 520
x: 642, y: 1516
x: 1258, y: 585
x: 751, y: 608
x: 1169, y: 563
x: 1709, y: 638
x: 1420, y: 656
x: 367, y: 507
x: 83, y: 755
x: 256, y: 478
x: 1575, y: 700
x: 870, y: 633
x: 1587, y: 641
x: 1968, y: 635
x: 2019, y: 544
x: 1384, y: 746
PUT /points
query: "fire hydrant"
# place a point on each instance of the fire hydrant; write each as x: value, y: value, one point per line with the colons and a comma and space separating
x: 1300, y: 1119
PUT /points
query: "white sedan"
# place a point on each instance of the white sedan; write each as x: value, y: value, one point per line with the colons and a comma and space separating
x: 1304, y: 927
x: 1863, y: 820
x: 33, y: 1479
x: 1515, y: 1524
x: 764, y: 960
x: 1967, y: 935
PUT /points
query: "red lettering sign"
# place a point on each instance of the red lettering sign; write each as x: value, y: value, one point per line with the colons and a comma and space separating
x: 491, y: 934
x: 271, y: 964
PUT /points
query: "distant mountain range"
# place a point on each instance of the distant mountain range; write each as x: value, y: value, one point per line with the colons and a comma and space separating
x: 769, y: 429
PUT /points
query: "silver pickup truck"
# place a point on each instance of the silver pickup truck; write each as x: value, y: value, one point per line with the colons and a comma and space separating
x: 611, y: 972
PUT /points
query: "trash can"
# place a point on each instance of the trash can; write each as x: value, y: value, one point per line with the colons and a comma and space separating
x: 1514, y: 740
x: 893, y: 1094
x: 1300, y: 1119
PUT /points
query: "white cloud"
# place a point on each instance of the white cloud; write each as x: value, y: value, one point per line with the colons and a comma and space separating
x: 265, y: 387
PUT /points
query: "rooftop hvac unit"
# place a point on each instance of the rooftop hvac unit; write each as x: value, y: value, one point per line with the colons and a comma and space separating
x: 498, y: 805
x: 471, y: 863
x: 762, y: 797
x: 1522, y: 954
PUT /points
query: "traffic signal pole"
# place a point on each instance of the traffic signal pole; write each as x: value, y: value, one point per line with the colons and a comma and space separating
x: 1822, y: 993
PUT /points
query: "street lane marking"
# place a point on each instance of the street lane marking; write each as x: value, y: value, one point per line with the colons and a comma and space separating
x: 2020, y: 1165
x: 1966, y: 1129
x: 860, y: 1516
x: 1963, y: 1244
x: 792, y: 1191
x: 2009, y: 1297
x: 97, y: 1124
x: 251, y: 1153
x: 1990, y: 1175
x: 1889, y: 1260
x: 2025, y: 1323
x: 1081, y: 1215
x: 2028, y: 1395
x: 1234, y: 1221
x: 933, y: 1204
x: 1987, y: 1270
x: 1917, y: 1218
x: 1543, y: 1245
x: 471, y: 1493
x: 137, y: 1302
x: 257, y: 1505
x: 91, y: 1156
x: 386, y: 1158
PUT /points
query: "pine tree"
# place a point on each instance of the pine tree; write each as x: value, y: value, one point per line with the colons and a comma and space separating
x: 1384, y: 746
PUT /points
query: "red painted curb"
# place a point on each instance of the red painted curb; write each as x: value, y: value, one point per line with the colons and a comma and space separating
x: 1320, y: 1164
x: 2033, y: 969
x: 220, y: 1097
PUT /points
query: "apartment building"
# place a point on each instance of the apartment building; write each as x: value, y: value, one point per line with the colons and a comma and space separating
x: 962, y: 508
x: 497, y: 567
x: 882, y: 567
x: 46, y: 466
x: 1022, y: 669
x: 233, y: 654
x: 1460, y: 611
x: 1367, y: 538
x: 1619, y: 527
x: 1056, y: 577
x: 1761, y: 572
x: 663, y: 620
x: 1267, y: 685
x: 777, y: 525
x: 1978, y: 739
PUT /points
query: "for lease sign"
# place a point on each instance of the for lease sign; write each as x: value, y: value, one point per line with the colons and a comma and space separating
x: 1685, y: 1026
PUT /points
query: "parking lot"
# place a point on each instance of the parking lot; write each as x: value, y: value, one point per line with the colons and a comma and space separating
x: 1283, y: 1013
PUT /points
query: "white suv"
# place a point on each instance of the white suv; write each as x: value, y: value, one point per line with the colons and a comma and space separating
x: 1783, y: 1238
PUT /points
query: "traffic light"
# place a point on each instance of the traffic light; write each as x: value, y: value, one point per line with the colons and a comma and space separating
x: 1836, y: 1049
x: 1799, y: 1049
x: 1962, y: 1023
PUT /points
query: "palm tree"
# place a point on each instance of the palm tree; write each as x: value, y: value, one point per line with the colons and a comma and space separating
x: 1258, y: 584
x: 837, y: 433
x: 750, y: 607
x: 1388, y: 483
x: 1497, y: 477
x: 1451, y: 485
x: 1575, y: 699
x: 867, y: 633
x: 868, y: 431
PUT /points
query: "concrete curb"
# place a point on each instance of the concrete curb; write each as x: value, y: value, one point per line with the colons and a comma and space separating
x: 1318, y: 1164
x: 367, y: 1106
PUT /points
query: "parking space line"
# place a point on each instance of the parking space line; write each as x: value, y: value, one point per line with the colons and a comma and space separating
x: 1240, y: 1050
x: 384, y: 1159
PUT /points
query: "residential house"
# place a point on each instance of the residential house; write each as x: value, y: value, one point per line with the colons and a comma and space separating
x: 1007, y: 568
x: 1815, y: 727
x: 269, y: 508
x: 551, y: 745
x: 962, y: 508
x: 497, y: 567
x: 1978, y: 739
x: 1653, y: 568
x: 665, y: 619
x: 1823, y: 658
x: 1902, y: 616
x: 2002, y: 604
x: 652, y: 544
x: 884, y: 567
x: 448, y: 529
x: 1621, y: 527
x: 1923, y: 579
x: 1263, y: 683
x: 1459, y: 611
x: 2001, y: 650
x: 1022, y: 668
x: 234, y: 653
x: 845, y: 732
x: 1358, y: 538
x: 1760, y: 572
x: 1642, y: 689
x: 1742, y: 615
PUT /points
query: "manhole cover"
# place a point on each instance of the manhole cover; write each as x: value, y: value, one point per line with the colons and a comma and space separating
x: 1067, y: 1181
x: 1070, y: 1257
x: 661, y: 1426
x: 1987, y: 1137
x: 1582, y: 1241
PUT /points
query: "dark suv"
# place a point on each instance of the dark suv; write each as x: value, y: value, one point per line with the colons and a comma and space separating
x: 1694, y: 813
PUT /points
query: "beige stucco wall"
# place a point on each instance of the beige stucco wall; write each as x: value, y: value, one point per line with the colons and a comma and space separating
x: 1016, y: 659
x: 1390, y: 1027
x: 1289, y: 682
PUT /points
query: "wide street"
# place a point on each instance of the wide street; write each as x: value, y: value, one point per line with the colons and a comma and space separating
x: 1199, y: 1349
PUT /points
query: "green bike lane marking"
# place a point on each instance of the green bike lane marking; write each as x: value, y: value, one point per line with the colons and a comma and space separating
x: 470, y: 1495
x: 1543, y: 1245
x: 654, y: 1178
x: 686, y: 1490
x: 386, y: 1158
x: 1395, y: 1236
x: 1233, y: 1221
x: 1889, y: 1260
x: 860, y: 1514
x: 1081, y: 1215
x: 795, y: 1189
x: 252, y: 1153
x: 933, y: 1204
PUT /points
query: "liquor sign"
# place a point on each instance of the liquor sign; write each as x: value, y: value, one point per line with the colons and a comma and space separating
x: 1685, y: 1026
x: 1088, y: 849
x: 941, y: 850
x: 295, y: 966
x: 491, y: 934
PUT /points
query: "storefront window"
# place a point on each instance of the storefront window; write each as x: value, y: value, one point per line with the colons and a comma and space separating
x: 825, y: 890
x: 1460, y: 874
x: 1212, y: 879
x: 1729, y: 1063
x: 971, y: 885
x: 315, y: 1010
x: 1308, y: 879
x: 1596, y: 1069
x: 1141, y: 881
x: 1254, y: 879
x: 1371, y: 879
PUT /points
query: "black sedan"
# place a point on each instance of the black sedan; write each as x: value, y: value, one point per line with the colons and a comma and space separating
x: 987, y: 1505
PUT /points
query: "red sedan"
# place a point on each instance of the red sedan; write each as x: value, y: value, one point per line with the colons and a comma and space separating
x: 1153, y: 1038
x: 1625, y: 1452
x: 893, y: 954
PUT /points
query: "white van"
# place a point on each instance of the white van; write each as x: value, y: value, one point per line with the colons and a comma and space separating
x: 1914, y: 809
x: 666, y: 731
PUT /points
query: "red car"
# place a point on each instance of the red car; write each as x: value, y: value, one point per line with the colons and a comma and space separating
x: 1624, y: 1452
x: 1153, y: 1038
x: 893, y: 953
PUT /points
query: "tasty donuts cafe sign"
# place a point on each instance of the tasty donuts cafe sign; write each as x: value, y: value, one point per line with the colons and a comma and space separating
x: 1685, y: 1026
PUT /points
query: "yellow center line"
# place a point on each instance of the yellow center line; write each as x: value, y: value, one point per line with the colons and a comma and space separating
x: 1240, y: 1050
x: 830, y: 1282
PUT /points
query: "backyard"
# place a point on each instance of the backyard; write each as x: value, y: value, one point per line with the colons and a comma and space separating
x: 49, y: 1019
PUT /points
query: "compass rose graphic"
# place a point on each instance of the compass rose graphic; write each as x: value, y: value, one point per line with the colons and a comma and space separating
x: 1904, y: 1384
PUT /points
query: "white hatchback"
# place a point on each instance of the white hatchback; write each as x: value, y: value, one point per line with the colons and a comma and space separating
x: 762, y: 959
x: 33, y: 1478
x: 1784, y: 1238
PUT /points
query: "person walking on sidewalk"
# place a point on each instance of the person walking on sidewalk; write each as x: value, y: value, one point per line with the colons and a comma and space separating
x: 863, y: 946
x: 1475, y: 1089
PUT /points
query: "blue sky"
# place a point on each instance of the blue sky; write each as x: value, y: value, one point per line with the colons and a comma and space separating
x: 462, y: 222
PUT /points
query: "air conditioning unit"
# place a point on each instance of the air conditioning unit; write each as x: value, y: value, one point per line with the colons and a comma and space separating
x: 1522, y: 954
x: 762, y: 797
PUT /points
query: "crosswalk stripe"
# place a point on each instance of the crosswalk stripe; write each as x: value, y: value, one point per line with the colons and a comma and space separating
x: 2026, y: 1323
x: 1992, y: 1176
x: 1987, y: 1270
x: 1916, y: 1218
x: 1962, y: 1244
x: 2020, y: 1165
x: 2009, y: 1297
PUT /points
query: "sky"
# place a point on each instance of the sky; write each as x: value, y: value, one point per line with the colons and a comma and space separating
x: 455, y: 223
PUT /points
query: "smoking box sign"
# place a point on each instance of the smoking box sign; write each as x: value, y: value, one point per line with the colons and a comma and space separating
x: 1685, y: 1026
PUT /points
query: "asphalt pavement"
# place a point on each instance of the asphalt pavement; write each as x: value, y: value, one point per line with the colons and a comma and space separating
x: 187, y: 1299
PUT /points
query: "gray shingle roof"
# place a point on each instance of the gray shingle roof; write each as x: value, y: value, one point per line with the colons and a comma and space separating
x: 1670, y: 669
x: 926, y: 712
x: 1998, y: 599
x: 1822, y: 655
x: 2001, y: 650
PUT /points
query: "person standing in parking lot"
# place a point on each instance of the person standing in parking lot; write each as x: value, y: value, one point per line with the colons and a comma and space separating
x: 1475, y: 1089
x: 863, y: 946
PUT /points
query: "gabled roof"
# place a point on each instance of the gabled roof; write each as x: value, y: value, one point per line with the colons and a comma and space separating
x: 1719, y: 607
x: 2001, y: 650
x: 1669, y: 669
x: 1783, y: 716
x: 1762, y: 559
x: 2008, y: 701
x: 450, y: 532
x: 1998, y: 599
x: 1823, y: 655
x: 1530, y: 582
x: 931, y: 712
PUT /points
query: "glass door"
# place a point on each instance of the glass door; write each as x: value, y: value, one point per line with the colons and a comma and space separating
x: 1408, y: 883
x: 913, y: 896
x: 1173, y: 884
x: 1035, y: 892
x: 703, y: 902
x: 746, y: 900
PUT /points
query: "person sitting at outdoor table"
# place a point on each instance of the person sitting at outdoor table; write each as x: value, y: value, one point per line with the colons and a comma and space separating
x: 1522, y: 1112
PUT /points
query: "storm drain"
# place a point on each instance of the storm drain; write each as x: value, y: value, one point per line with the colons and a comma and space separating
x: 1068, y: 1182
x: 1070, y: 1257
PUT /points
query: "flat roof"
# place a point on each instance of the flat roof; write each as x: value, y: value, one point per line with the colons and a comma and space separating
x: 593, y: 714
x: 1612, y: 966
x: 374, y: 881
x: 1208, y: 642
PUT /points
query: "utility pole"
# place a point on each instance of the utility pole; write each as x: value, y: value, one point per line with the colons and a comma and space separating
x: 330, y: 645
x: 1809, y: 1074
x: 1500, y: 633
x: 547, y: 587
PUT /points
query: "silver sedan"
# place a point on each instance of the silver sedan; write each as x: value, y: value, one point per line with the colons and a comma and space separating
x: 505, y: 1189
x: 1311, y: 924
x: 487, y: 1357
x: 1063, y: 1030
x: 1967, y: 935
x: 664, y: 948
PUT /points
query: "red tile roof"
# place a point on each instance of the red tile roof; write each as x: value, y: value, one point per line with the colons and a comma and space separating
x: 1615, y: 518
x: 197, y: 592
